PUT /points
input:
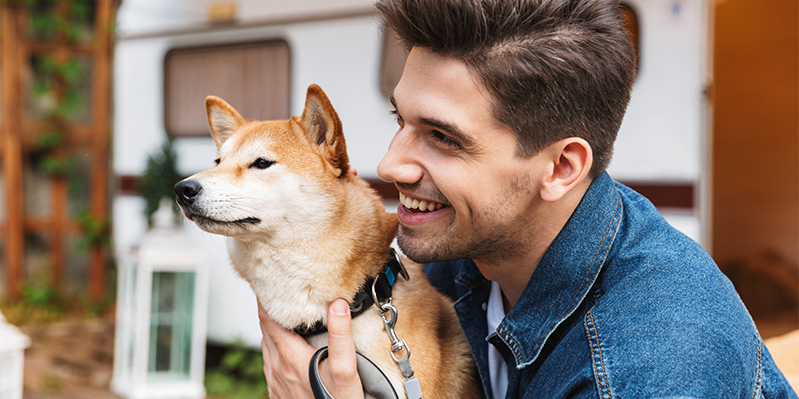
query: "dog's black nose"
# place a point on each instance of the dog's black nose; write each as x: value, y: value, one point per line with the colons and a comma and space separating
x: 187, y: 191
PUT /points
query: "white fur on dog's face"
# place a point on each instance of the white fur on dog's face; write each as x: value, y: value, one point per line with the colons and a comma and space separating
x: 239, y: 197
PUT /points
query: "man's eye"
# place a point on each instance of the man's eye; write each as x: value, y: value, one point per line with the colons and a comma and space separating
x: 262, y: 163
x: 444, y: 139
x: 397, y: 116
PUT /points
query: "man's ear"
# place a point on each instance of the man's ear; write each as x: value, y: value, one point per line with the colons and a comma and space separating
x: 570, y: 162
x: 323, y: 128
x: 222, y: 118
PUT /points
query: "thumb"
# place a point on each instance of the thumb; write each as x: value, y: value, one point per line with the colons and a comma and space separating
x: 341, y: 364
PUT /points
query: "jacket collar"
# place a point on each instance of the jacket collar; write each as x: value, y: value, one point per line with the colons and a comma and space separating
x: 566, y: 273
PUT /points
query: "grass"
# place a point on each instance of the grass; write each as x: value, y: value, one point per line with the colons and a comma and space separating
x: 236, y: 373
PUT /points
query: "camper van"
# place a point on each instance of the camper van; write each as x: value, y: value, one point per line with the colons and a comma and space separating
x: 261, y: 55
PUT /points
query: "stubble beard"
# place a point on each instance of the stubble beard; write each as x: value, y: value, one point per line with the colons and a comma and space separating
x: 486, y: 243
x: 493, y: 237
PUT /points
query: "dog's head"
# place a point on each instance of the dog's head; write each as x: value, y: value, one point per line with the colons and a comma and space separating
x: 269, y: 175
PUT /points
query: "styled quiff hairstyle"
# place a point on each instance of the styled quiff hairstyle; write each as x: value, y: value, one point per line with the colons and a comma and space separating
x: 555, y: 68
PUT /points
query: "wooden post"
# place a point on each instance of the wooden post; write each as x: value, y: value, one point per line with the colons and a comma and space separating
x: 12, y: 148
x: 59, y: 185
x: 99, y: 178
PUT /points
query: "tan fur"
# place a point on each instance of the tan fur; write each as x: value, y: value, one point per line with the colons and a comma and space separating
x: 321, y: 233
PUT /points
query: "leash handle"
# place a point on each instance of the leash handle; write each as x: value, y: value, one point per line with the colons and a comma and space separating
x: 317, y: 386
x: 375, y: 383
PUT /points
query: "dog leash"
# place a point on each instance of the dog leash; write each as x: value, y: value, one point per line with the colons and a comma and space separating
x: 374, y: 383
x: 412, y: 388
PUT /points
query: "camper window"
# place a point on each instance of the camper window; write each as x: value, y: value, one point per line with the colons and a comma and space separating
x: 252, y: 77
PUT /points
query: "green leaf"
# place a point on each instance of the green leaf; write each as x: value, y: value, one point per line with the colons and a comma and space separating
x: 233, y: 360
x: 50, y: 139
x: 70, y: 71
x: 80, y: 10
x: 217, y: 383
x: 159, y: 177
x: 51, y: 165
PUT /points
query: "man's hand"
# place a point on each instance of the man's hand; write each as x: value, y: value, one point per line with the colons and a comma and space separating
x: 287, y: 357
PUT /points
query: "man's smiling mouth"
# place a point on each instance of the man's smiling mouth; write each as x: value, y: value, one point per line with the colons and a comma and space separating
x: 415, y: 205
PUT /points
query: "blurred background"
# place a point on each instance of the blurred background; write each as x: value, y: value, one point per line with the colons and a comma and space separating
x: 101, y: 112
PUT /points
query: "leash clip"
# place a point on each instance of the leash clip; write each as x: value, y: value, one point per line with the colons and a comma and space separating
x: 397, y: 345
x: 412, y: 388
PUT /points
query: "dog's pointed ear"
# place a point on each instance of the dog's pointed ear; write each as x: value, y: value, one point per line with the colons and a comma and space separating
x: 222, y: 118
x: 323, y: 128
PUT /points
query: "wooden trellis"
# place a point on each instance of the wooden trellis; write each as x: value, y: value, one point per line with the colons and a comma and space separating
x: 83, y: 132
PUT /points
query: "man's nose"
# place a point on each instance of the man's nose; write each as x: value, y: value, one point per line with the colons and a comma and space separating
x: 400, y: 162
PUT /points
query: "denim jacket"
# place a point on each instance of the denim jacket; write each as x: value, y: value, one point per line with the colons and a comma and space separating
x: 621, y: 305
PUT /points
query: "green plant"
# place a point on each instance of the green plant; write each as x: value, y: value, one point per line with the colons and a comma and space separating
x: 96, y: 231
x: 239, y: 375
x: 51, y: 384
x: 40, y: 302
x: 159, y: 176
x: 47, y: 21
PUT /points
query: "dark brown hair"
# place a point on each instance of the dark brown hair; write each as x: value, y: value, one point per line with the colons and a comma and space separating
x: 555, y: 68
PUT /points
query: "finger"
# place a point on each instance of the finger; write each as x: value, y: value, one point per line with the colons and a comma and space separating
x: 353, y: 171
x: 341, y: 367
x: 286, y: 358
x: 339, y: 326
x: 267, y: 360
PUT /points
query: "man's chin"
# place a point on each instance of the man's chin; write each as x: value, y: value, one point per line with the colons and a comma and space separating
x: 422, y: 250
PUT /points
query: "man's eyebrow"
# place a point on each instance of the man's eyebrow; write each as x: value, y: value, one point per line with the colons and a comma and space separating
x: 452, y: 130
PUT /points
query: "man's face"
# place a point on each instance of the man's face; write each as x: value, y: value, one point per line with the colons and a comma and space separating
x: 452, y: 158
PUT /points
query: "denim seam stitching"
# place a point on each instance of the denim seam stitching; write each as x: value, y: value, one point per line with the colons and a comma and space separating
x: 759, y: 376
x: 591, y: 333
x: 468, y: 293
x: 512, y: 345
x: 599, y: 348
x: 593, y: 261
x: 465, y: 281
x: 585, y: 278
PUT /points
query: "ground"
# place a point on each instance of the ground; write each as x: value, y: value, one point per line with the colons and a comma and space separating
x: 69, y: 359
x: 74, y: 358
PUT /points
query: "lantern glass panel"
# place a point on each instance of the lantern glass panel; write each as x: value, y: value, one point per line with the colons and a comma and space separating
x: 171, y: 325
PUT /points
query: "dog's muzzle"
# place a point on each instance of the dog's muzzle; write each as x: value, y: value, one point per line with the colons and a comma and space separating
x: 187, y: 192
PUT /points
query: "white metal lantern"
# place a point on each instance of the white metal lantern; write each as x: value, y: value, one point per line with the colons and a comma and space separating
x: 12, y: 347
x: 162, y: 306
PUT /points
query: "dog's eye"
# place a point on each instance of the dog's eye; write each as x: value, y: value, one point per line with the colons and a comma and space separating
x: 216, y: 161
x: 262, y: 163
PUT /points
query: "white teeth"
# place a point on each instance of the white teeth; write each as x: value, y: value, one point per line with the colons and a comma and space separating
x: 424, y: 206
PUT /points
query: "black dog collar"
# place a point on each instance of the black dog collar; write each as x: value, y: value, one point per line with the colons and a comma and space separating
x: 383, y: 283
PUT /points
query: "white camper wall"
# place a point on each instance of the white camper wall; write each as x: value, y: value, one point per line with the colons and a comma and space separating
x: 664, y: 136
x: 158, y: 17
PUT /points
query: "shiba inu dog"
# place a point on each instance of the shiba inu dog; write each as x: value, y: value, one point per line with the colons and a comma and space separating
x: 306, y: 231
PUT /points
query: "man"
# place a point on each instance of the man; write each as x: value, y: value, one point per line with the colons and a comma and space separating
x: 566, y: 283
